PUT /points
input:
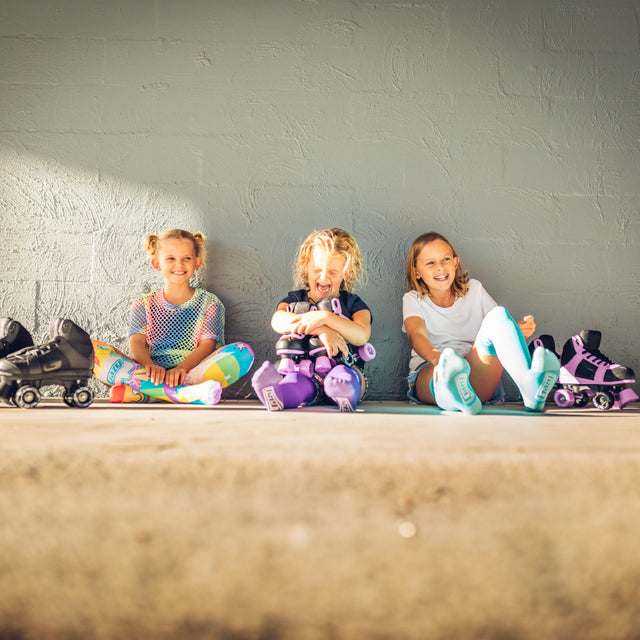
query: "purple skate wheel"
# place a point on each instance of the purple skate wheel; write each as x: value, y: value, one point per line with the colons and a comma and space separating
x: 564, y: 398
x: 323, y: 365
x: 286, y: 365
x: 367, y: 352
x: 306, y: 368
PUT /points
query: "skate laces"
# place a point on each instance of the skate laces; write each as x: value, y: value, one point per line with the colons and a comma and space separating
x: 597, y: 357
x: 40, y: 350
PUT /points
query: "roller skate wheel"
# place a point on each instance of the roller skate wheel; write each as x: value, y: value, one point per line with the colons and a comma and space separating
x: 286, y: 365
x: 323, y: 365
x: 81, y: 397
x: 603, y: 400
x: 26, y: 397
x: 564, y: 398
x: 367, y: 352
x: 581, y: 399
x: 306, y: 368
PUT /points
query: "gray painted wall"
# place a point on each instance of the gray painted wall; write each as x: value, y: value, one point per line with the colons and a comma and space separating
x: 511, y: 126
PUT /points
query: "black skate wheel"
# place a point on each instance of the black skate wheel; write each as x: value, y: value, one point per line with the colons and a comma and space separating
x: 81, y: 397
x: 603, y: 400
x: 581, y: 399
x: 26, y: 397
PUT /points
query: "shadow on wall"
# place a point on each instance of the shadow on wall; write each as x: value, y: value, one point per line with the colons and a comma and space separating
x: 74, y: 249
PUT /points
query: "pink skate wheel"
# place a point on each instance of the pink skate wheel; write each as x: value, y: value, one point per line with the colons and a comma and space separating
x: 286, y: 365
x: 306, y: 368
x: 323, y: 365
x: 564, y: 398
x: 367, y: 352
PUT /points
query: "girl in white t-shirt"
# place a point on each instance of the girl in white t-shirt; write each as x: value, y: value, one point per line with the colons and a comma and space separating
x: 461, y: 339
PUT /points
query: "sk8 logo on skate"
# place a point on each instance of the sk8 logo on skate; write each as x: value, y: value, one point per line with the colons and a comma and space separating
x: 545, y: 387
x: 47, y: 367
x: 273, y: 403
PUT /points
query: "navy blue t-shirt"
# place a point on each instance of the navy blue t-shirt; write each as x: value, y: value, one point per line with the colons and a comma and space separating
x: 350, y: 302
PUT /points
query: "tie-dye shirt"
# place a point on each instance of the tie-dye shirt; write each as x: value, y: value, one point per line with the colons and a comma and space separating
x: 173, y: 331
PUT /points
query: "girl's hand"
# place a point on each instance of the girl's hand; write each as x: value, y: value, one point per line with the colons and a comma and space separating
x: 175, y: 376
x: 155, y: 373
x: 527, y: 326
x: 333, y: 342
x: 309, y: 321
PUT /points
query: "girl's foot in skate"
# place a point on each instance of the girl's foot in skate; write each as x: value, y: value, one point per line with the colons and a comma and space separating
x: 451, y: 387
x: 265, y: 382
x: 344, y: 386
x: 277, y: 393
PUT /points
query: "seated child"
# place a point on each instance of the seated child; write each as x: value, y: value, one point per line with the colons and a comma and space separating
x: 325, y: 317
x: 461, y: 339
x: 176, y: 334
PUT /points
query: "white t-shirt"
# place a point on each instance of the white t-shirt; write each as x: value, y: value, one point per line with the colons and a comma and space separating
x: 456, y: 326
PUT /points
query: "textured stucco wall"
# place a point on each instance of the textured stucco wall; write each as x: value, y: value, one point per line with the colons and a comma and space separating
x: 511, y: 126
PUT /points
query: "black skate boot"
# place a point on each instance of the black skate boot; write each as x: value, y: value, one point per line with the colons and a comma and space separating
x: 546, y: 341
x: 13, y: 337
x: 585, y: 371
x: 66, y: 360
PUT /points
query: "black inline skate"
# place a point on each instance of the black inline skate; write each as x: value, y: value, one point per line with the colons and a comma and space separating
x: 13, y: 337
x: 66, y: 360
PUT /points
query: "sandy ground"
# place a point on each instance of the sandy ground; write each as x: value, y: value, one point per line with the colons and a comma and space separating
x: 158, y: 521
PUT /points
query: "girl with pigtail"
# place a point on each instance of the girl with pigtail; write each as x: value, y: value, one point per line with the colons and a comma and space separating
x: 176, y: 334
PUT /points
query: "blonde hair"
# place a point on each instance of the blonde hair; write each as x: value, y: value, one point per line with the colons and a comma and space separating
x: 460, y: 284
x: 335, y: 242
x: 153, y: 242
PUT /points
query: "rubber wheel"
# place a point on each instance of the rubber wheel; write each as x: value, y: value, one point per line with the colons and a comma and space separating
x: 306, y: 368
x: 581, y: 399
x: 82, y: 397
x: 367, y: 352
x: 603, y: 400
x: 564, y: 398
x: 26, y: 397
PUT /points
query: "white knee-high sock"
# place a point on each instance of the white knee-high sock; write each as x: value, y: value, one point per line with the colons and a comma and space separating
x: 500, y: 336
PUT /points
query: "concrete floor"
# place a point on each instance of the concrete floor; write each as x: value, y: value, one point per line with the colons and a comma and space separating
x: 165, y: 521
x: 380, y: 428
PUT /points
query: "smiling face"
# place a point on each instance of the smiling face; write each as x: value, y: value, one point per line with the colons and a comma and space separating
x: 177, y: 260
x: 436, y: 266
x: 326, y: 273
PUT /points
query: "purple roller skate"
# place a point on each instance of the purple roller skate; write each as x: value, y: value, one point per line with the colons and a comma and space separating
x: 366, y: 352
x: 585, y: 373
x: 292, y: 348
